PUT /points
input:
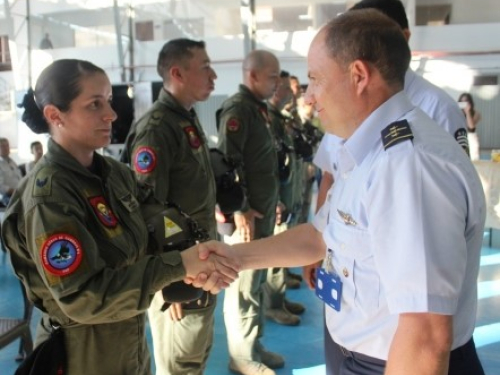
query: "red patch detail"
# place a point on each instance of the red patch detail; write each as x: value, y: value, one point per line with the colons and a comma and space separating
x: 61, y: 254
x: 233, y: 125
x: 145, y: 159
x: 103, y: 212
x: 193, y: 137
x: 264, y: 113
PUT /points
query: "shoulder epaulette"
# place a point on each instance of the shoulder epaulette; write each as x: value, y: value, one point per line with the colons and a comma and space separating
x: 395, y: 133
x: 461, y: 138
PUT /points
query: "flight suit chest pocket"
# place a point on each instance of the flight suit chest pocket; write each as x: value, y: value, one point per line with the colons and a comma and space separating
x: 353, y: 261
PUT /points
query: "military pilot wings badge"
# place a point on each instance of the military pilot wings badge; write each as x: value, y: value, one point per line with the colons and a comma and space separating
x: 347, y: 218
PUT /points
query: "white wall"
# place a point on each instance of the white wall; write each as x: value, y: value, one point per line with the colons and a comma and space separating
x: 449, y: 56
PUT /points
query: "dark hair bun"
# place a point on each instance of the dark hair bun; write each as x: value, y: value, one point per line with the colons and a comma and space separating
x: 33, y: 116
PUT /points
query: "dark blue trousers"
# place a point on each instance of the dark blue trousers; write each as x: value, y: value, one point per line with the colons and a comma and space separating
x: 339, y: 361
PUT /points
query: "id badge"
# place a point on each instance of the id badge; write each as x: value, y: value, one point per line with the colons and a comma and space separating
x: 329, y: 288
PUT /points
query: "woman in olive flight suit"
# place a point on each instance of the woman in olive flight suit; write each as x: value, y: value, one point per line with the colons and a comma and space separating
x: 75, y: 233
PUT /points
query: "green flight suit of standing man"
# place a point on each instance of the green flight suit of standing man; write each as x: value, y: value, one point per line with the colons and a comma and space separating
x: 278, y: 308
x: 245, y: 135
x: 169, y: 150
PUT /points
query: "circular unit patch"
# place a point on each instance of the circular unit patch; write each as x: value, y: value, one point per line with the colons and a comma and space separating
x: 233, y: 125
x: 103, y: 212
x: 193, y: 138
x: 61, y: 254
x: 145, y: 160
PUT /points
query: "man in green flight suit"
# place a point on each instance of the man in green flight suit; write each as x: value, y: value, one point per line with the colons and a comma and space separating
x: 169, y: 150
x: 278, y: 308
x: 245, y: 136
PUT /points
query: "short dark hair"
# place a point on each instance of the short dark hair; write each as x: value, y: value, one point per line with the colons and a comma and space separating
x: 394, y: 9
x: 284, y: 74
x: 35, y: 143
x: 370, y: 36
x: 58, y: 84
x: 176, y: 51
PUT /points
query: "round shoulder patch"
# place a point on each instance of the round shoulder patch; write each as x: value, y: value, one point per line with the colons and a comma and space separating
x: 145, y: 159
x: 233, y: 125
x: 61, y: 254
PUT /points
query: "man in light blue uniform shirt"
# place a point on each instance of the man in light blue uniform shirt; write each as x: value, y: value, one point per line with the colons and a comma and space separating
x: 434, y: 101
x: 402, y: 225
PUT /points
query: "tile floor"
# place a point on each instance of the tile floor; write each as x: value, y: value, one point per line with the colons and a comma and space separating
x: 302, y: 346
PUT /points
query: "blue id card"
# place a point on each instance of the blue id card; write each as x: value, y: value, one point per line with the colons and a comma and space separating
x: 329, y: 288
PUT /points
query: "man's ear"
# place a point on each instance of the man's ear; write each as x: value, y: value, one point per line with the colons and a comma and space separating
x: 407, y: 34
x: 360, y: 75
x: 253, y: 75
x: 176, y: 73
x: 52, y: 114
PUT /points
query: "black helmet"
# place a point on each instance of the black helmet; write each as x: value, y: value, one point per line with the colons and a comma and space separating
x: 171, y: 229
x: 230, y: 195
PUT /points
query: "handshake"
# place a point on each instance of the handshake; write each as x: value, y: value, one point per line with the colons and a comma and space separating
x: 211, y: 265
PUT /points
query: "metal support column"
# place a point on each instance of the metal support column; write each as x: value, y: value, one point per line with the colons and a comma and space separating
x: 119, y: 45
x: 29, y: 45
x: 247, y: 11
x: 411, y: 12
x: 131, y: 34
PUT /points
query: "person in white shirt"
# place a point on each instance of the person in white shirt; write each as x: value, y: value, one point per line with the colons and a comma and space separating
x: 10, y: 175
x: 404, y: 220
x: 434, y: 101
x: 37, y: 151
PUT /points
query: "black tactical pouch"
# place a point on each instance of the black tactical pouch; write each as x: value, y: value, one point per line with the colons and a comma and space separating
x: 171, y: 229
x: 48, y: 358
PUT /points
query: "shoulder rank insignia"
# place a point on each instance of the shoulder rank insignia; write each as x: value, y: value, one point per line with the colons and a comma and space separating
x: 103, y: 212
x: 347, y: 218
x: 232, y: 125
x: 61, y: 254
x: 395, y: 133
x: 461, y: 138
x: 192, y: 136
x: 145, y: 159
x: 43, y: 183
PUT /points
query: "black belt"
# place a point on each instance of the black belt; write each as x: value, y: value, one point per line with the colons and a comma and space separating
x: 464, y: 350
x: 360, y: 356
x: 461, y: 351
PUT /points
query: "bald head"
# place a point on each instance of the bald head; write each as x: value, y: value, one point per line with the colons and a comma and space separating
x: 261, y: 70
x: 258, y: 60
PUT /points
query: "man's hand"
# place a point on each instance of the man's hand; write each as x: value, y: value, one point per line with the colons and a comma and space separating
x: 245, y: 224
x: 226, y: 251
x: 309, y: 274
x: 211, y: 273
x: 175, y: 312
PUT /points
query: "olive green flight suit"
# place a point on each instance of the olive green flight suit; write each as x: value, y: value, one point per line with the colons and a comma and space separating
x: 275, y: 286
x: 78, y: 241
x: 245, y: 135
x: 169, y: 151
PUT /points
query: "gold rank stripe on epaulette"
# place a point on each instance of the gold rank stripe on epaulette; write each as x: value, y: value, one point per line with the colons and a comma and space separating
x: 395, y: 133
x: 461, y: 138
